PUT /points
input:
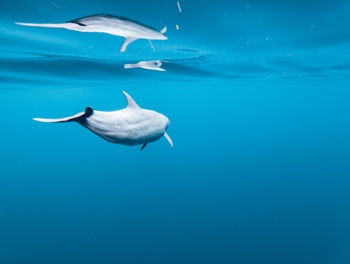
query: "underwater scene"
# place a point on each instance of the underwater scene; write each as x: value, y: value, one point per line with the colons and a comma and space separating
x: 165, y: 131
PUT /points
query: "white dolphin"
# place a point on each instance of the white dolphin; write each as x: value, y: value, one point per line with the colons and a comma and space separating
x: 118, y: 26
x: 154, y: 65
x: 130, y: 126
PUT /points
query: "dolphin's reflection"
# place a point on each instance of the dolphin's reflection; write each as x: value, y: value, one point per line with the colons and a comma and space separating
x: 154, y: 65
x: 109, y: 24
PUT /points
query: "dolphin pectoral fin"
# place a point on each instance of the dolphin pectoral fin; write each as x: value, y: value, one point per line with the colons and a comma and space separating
x: 169, y: 139
x: 143, y: 146
x: 163, y: 30
x: 126, y: 42
x: 88, y: 112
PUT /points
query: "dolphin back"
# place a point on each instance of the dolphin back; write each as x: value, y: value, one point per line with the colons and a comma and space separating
x: 85, y: 21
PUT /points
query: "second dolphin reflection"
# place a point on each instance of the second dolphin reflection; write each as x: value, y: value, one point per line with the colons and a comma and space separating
x: 131, y: 126
x: 114, y: 25
x: 154, y: 65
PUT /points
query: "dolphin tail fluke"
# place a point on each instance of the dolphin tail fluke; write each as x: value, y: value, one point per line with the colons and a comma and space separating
x: 59, y: 25
x: 125, y: 44
x: 169, y: 139
x: 88, y: 112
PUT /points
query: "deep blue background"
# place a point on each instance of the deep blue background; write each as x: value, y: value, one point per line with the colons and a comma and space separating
x: 257, y: 93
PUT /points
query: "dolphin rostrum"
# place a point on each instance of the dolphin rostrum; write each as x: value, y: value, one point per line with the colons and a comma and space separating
x: 130, y: 126
x: 118, y: 26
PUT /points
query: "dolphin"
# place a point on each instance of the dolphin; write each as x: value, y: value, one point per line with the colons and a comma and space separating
x: 130, y: 126
x: 154, y: 65
x: 114, y: 25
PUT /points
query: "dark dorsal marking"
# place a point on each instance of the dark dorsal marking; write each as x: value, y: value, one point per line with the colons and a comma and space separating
x: 79, y: 23
x: 88, y: 111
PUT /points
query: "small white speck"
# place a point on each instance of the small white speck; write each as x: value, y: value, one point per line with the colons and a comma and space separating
x: 150, y: 43
x: 247, y: 6
x: 177, y: 27
x: 178, y: 5
x: 312, y: 26
x: 55, y: 5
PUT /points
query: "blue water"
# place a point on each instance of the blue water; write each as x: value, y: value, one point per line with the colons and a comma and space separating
x: 257, y: 93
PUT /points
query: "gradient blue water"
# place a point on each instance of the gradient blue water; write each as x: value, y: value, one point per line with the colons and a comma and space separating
x: 257, y: 93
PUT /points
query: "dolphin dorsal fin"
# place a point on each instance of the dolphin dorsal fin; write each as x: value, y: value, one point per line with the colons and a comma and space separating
x: 131, y: 102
